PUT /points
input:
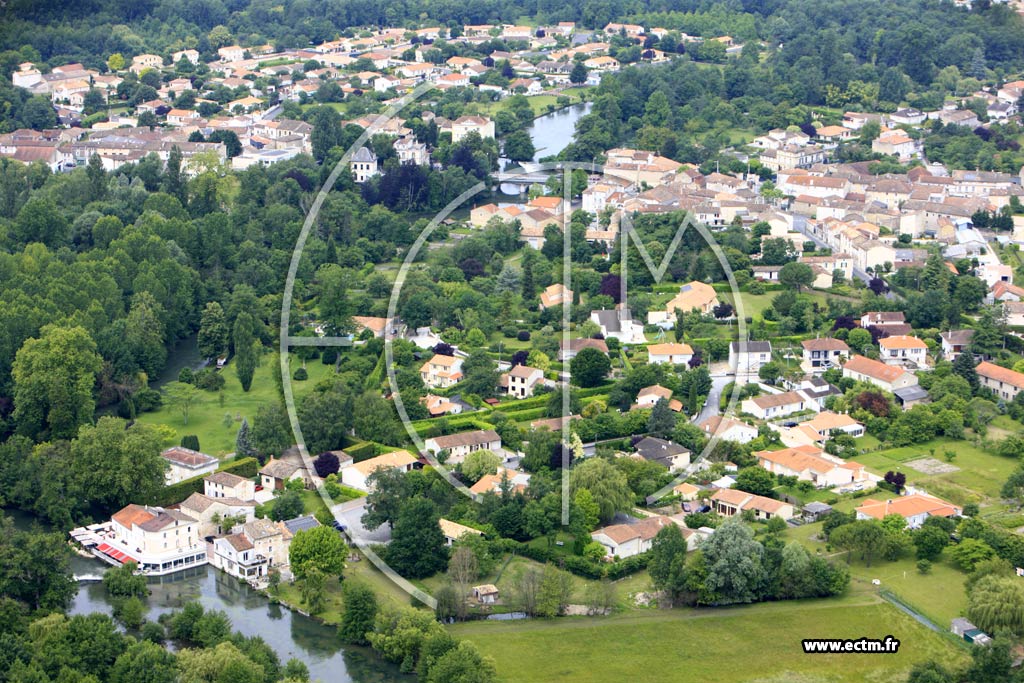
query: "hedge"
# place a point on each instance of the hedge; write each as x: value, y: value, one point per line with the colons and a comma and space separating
x: 580, y: 566
x: 363, y: 451
x: 175, y: 493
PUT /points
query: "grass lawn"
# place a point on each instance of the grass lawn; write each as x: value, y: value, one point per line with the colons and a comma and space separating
x: 980, y: 476
x: 216, y: 421
x: 736, y: 645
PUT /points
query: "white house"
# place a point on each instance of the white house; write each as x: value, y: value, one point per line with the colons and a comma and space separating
x: 676, y: 354
x: 915, y: 508
x: 888, y: 377
x: 729, y: 502
x: 903, y: 350
x: 1003, y: 382
x: 260, y: 546
x: 458, y: 446
x: 773, y: 406
x: 363, y: 165
x: 185, y: 463
x: 227, y: 485
x: 620, y: 325
x: 627, y: 540
x: 356, y: 474
x: 823, y: 353
x: 441, y: 372
x: 810, y: 463
x: 667, y: 453
x: 728, y: 429
x: 158, y: 540
x: 747, y: 357
x: 453, y: 531
x: 522, y: 379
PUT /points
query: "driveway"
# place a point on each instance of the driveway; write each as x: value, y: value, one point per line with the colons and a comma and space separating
x: 718, y: 383
x: 351, y: 514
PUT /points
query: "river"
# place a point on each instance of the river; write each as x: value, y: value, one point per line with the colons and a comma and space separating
x: 553, y: 132
x: 289, y: 633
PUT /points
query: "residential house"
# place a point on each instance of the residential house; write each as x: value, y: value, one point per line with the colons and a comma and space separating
x: 1003, y: 382
x: 260, y: 546
x: 648, y: 396
x: 381, y: 327
x: 729, y: 502
x: 188, y: 55
x: 158, y: 540
x: 464, y: 125
x: 185, y: 463
x: 459, y: 445
x: 823, y: 353
x: 687, y: 492
x: 521, y: 380
x: 440, y: 405
x: 882, y: 319
x: 142, y: 63
x: 887, y: 377
x: 774, y: 406
x: 903, y: 351
x: 640, y: 167
x: 356, y: 475
x: 231, y: 53
x: 675, y: 354
x: 810, y: 463
x: 568, y: 351
x: 827, y: 423
x: 955, y: 342
x: 693, y: 296
x: 363, y: 165
x: 441, y: 372
x: 729, y: 429
x: 453, y: 531
x: 671, y: 455
x: 276, y: 474
x: 515, y: 481
x: 915, y: 508
x: 210, y: 513
x: 627, y: 540
x: 619, y: 323
x: 895, y: 143
x: 555, y: 295
x: 228, y: 485
x: 747, y: 357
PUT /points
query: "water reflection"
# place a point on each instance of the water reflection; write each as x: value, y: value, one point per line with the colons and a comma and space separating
x: 289, y: 633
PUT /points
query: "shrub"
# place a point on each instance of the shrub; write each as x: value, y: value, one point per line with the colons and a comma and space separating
x: 186, y: 376
x: 329, y: 356
x: 190, y: 441
x: 147, y: 400
x: 208, y: 379
x: 523, y: 336
x: 300, y: 375
x: 924, y: 566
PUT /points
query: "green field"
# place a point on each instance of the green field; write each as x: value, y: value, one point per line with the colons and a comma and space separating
x: 980, y: 476
x: 216, y: 416
x: 736, y: 645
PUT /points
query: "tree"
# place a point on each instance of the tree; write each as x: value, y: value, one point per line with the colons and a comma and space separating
x: 213, y: 332
x: 145, y: 662
x: 963, y: 366
x: 271, y: 431
x: 417, y: 545
x: 519, y: 146
x: 389, y: 489
x: 320, y: 548
x: 863, y: 536
x: 606, y: 484
x: 554, y: 592
x: 245, y: 343
x: 996, y: 603
x: 796, y: 275
x: 35, y: 568
x: 327, y: 132
x: 478, y: 463
x: 589, y: 367
x: 770, y: 372
x: 667, y: 564
x: 243, y: 441
x: 124, y: 582
x: 115, y: 62
x: 360, y: 611
x: 116, y: 464
x: 288, y: 505
x: 333, y: 300
x: 735, y: 573
x: 756, y: 480
x: 181, y: 396
x: 662, y: 421
x: 930, y: 542
x: 777, y: 251
x: 969, y: 552
x: 578, y: 75
x: 54, y: 376
x: 326, y: 464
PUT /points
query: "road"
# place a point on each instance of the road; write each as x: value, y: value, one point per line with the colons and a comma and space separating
x: 718, y: 383
x: 350, y: 514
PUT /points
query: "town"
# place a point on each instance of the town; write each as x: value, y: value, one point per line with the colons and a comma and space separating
x: 446, y: 338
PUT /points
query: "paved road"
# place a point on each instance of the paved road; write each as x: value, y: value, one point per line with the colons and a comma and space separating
x: 710, y: 408
x: 350, y: 514
x: 800, y: 225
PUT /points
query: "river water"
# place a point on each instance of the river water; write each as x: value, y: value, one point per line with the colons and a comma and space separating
x: 289, y: 633
x: 553, y: 132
